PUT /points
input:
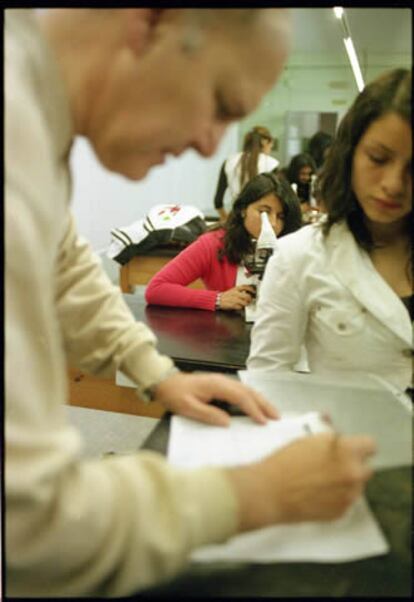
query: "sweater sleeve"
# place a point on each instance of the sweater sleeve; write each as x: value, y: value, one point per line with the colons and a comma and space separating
x: 221, y: 188
x: 101, y: 527
x: 76, y: 527
x: 170, y: 285
x: 99, y: 332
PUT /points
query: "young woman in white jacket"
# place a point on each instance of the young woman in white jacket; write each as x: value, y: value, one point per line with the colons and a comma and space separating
x: 344, y: 288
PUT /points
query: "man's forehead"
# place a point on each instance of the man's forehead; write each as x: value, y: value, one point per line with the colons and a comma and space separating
x: 244, y: 24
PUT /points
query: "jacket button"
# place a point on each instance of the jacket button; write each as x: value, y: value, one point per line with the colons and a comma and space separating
x: 408, y: 352
x: 342, y: 326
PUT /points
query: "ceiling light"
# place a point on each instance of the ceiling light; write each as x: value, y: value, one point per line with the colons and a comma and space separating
x: 354, y: 63
x: 349, y: 45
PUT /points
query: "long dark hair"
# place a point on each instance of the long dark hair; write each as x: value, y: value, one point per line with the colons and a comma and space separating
x: 237, y: 240
x: 389, y: 93
x: 296, y: 164
x: 252, y: 147
x: 317, y: 146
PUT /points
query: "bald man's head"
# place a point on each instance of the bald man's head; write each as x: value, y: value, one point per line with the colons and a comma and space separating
x: 156, y: 82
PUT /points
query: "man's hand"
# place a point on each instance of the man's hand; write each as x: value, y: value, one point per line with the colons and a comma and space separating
x: 315, y: 478
x: 190, y: 394
x: 237, y: 297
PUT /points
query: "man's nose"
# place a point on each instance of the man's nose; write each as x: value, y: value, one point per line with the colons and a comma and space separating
x: 207, y: 139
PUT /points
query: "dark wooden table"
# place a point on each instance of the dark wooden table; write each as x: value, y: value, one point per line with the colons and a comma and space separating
x: 141, y: 268
x: 389, y: 494
x: 196, y: 339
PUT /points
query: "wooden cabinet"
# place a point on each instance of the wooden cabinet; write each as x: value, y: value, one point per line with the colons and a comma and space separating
x: 141, y: 268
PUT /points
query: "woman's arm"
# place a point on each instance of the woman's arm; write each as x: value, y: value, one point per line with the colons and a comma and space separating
x: 278, y: 333
x: 170, y: 285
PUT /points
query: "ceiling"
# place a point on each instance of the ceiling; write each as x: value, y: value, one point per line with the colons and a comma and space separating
x: 317, y: 77
x: 374, y: 30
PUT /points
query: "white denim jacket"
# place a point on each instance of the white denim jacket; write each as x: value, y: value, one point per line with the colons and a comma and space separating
x: 325, y: 293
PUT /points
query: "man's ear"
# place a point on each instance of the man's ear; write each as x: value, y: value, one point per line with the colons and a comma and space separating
x: 140, y: 25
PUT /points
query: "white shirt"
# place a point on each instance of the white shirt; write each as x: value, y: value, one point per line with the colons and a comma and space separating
x: 324, y: 292
x: 232, y: 169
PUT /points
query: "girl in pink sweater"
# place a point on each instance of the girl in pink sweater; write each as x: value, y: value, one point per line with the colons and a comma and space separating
x: 216, y: 255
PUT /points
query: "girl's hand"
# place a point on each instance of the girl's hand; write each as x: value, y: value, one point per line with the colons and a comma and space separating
x: 237, y: 297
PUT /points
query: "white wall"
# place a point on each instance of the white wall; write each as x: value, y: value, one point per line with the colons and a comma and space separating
x: 103, y: 200
x: 315, y: 82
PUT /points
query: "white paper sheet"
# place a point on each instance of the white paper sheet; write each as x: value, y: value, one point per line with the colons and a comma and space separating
x: 193, y: 444
x: 356, y: 403
x: 356, y: 535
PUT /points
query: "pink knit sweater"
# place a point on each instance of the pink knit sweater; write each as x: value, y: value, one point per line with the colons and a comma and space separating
x: 199, y: 260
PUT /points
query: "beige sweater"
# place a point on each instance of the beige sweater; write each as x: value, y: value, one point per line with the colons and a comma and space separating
x: 76, y: 527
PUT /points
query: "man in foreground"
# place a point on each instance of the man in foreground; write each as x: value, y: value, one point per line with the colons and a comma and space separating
x: 139, y: 84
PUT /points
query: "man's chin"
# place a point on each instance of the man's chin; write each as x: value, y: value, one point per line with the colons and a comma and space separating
x: 132, y: 168
x: 135, y: 172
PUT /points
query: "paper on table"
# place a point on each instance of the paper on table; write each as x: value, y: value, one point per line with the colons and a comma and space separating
x: 356, y: 535
x: 352, y: 537
x: 356, y: 403
x: 193, y: 444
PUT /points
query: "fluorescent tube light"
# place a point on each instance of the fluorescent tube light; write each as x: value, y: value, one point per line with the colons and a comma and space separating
x: 339, y: 11
x: 354, y: 63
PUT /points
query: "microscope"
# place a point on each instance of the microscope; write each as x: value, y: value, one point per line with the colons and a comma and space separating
x: 256, y: 264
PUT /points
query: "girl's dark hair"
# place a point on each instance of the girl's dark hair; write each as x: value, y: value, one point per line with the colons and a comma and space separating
x: 237, y: 241
x: 296, y: 164
x: 317, y: 146
x: 389, y: 93
x: 252, y: 147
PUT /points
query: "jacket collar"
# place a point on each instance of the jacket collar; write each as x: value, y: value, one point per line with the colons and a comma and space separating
x: 353, y: 267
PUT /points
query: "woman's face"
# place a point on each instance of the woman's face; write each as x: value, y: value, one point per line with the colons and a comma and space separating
x: 269, y: 204
x: 267, y: 146
x: 381, y: 170
x: 304, y: 174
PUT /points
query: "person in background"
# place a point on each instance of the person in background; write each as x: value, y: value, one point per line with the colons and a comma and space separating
x: 124, y: 79
x: 344, y: 287
x: 299, y: 173
x: 216, y: 256
x: 318, y: 148
x: 241, y: 167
